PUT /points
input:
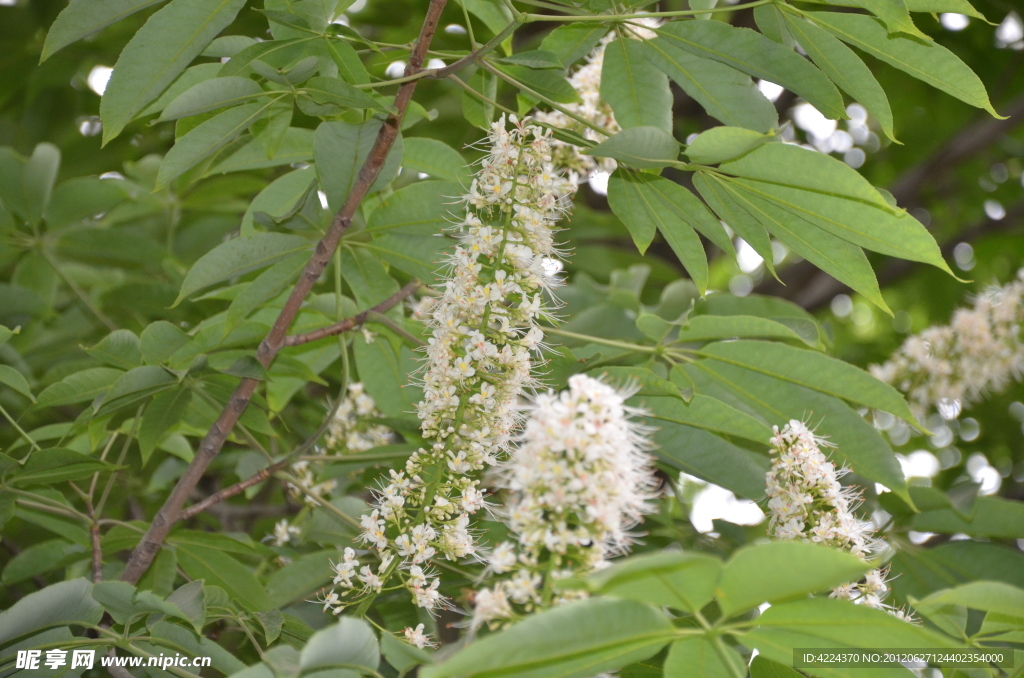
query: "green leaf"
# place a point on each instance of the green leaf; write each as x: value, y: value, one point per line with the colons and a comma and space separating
x: 534, y: 58
x: 640, y: 147
x: 228, y: 46
x: 813, y: 370
x: 219, y: 569
x: 684, y: 581
x: 794, y: 166
x: 69, y: 602
x: 134, y: 385
x: 699, y: 657
x: 493, y: 13
x: 239, y: 256
x: 435, y: 158
x: 341, y: 149
x: 857, y: 443
x: 937, y: 6
x: 302, y: 576
x: 576, y: 640
x: 480, y: 113
x: 708, y: 327
x: 81, y: 198
x: 159, y: 340
x: 79, y: 387
x: 338, y: 92
x: 756, y: 55
x: 783, y: 570
x: 351, y: 642
x: 724, y: 92
x: 197, y: 646
x: 120, y: 348
x: 383, y: 373
x: 250, y: 153
x: 157, y: 53
x: 209, y: 95
x: 844, y: 67
x: 766, y: 668
x: 547, y: 83
x: 266, y: 286
x: 281, y: 198
x: 366, y: 276
x: 208, y: 138
x: 163, y: 414
x: 188, y: 78
x: 14, y: 379
x: 646, y: 381
x: 635, y: 88
x: 710, y: 414
x: 987, y: 596
x: 993, y: 517
x: 894, y: 15
x: 421, y: 256
x: 709, y: 457
x: 899, y: 235
x: 84, y: 17
x: 40, y: 173
x: 190, y: 601
x: 834, y: 624
x: 713, y: 190
x: 7, y: 333
x: 926, y: 61
x: 644, y: 204
x: 837, y: 257
x: 571, y: 42
x: 423, y: 208
x: 41, y: 558
x: 400, y: 654
x: 720, y: 144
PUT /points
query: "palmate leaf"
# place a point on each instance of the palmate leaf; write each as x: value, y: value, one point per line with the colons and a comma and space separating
x: 157, y: 53
x: 840, y: 259
x: 926, y: 61
x: 756, y: 55
x: 684, y: 581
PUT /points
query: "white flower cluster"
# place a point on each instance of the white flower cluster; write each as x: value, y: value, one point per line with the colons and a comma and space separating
x: 350, y: 430
x: 577, y: 482
x: 483, y: 328
x: 807, y: 502
x: 946, y: 367
x: 586, y: 80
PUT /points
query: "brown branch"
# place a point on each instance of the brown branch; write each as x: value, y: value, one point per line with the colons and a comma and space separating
x: 211, y: 445
x: 233, y: 490
x: 97, y: 553
x: 353, y: 322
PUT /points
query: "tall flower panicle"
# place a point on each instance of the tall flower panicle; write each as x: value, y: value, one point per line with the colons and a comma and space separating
x: 586, y: 80
x: 947, y: 367
x: 484, y: 325
x: 578, y: 481
x: 807, y: 502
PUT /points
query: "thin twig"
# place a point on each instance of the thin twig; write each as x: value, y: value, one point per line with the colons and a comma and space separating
x: 233, y: 490
x: 211, y: 445
x: 356, y: 320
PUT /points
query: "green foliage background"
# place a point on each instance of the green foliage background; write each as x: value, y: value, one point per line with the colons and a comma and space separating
x: 101, y: 276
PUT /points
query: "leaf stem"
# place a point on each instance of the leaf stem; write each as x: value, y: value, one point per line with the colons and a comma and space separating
x: 599, y: 340
x: 19, y: 429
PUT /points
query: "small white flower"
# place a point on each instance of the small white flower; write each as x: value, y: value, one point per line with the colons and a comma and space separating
x: 415, y: 636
